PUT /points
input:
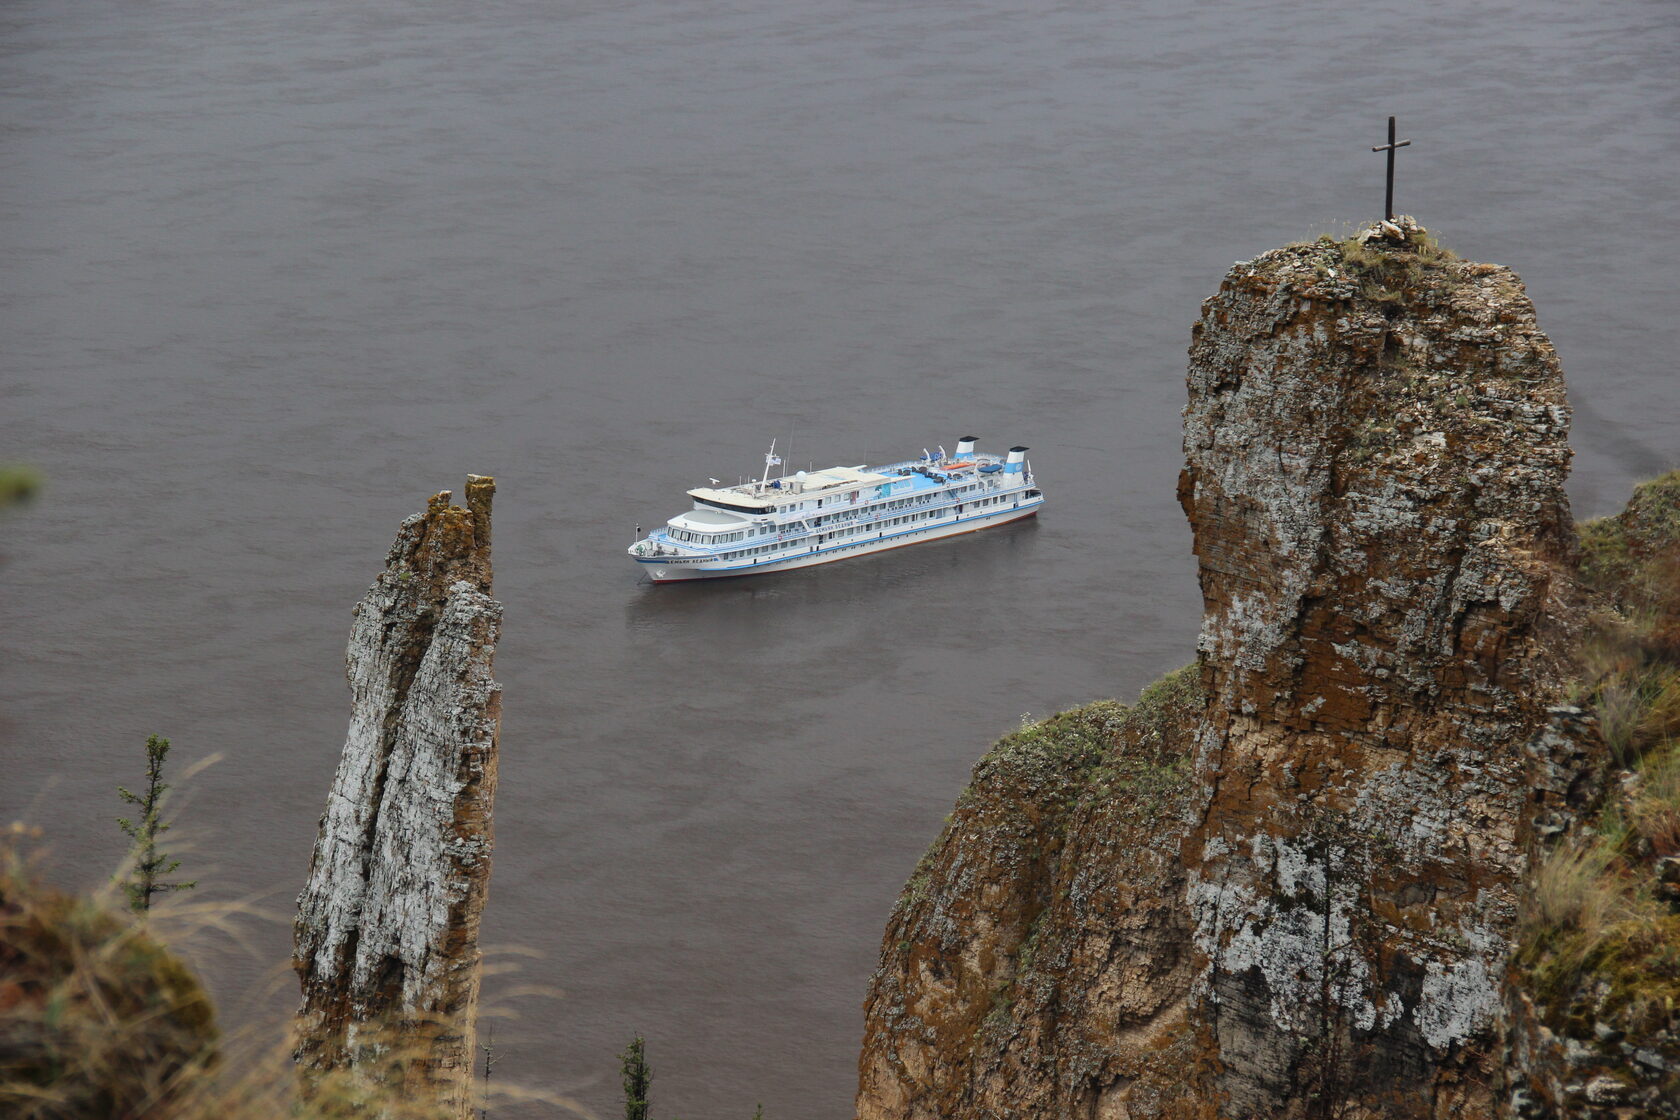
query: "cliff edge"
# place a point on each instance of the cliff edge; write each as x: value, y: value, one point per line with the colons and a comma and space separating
x: 1315, y: 916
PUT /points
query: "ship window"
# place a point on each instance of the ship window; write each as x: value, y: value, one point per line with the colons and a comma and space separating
x: 725, y: 505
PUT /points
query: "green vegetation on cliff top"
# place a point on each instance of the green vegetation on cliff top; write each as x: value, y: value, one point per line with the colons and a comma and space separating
x: 1100, y: 743
x: 1599, y: 947
x: 1104, y: 749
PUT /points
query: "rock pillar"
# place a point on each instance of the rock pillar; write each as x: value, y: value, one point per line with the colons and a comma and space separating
x: 387, y: 927
x: 1376, y: 448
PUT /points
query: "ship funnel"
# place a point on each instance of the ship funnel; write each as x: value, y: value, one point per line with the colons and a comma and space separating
x: 965, y: 448
x: 1013, y: 466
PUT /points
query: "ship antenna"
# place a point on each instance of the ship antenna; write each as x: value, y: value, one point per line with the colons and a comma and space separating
x: 770, y: 460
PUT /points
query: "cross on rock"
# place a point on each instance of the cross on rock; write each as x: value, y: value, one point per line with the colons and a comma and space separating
x: 1390, y: 147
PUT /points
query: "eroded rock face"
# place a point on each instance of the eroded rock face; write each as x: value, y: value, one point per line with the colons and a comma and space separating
x: 387, y: 928
x: 1038, y: 960
x: 1376, y: 447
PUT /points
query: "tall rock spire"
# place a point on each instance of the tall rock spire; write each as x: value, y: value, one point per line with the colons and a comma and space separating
x: 387, y: 927
x: 1376, y: 444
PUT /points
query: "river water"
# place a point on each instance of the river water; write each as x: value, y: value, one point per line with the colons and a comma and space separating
x: 275, y: 272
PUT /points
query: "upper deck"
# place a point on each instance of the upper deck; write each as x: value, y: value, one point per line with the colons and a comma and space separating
x: 816, y: 489
x: 762, y: 497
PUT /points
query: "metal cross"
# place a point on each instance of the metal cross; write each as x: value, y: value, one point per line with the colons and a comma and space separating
x: 1388, y: 201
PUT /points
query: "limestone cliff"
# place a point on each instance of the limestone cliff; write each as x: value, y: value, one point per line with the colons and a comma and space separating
x: 387, y: 927
x: 1318, y: 920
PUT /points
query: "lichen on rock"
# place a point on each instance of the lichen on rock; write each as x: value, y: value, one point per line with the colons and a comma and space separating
x: 387, y: 927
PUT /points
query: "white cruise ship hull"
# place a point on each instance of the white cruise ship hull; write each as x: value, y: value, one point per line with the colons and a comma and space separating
x: 669, y: 569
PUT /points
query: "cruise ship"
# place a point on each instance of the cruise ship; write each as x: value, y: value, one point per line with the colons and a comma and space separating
x: 814, y: 517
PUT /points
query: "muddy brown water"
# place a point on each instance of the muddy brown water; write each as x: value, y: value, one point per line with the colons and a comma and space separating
x: 276, y: 272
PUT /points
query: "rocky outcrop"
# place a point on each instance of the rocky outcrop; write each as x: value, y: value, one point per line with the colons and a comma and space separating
x: 387, y: 927
x: 1376, y: 447
x: 1318, y: 920
x: 1038, y: 960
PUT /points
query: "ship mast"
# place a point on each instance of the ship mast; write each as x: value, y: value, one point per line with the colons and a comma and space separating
x: 770, y: 460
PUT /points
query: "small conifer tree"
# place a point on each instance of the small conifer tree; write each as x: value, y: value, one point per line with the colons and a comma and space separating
x: 637, y: 1078
x: 489, y: 1049
x: 149, y: 864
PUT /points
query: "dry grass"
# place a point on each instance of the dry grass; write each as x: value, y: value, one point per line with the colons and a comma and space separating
x: 260, y: 1082
x: 100, y: 1016
x: 1654, y: 812
x: 1659, y: 722
x: 1387, y: 271
x: 1574, y: 890
x: 1596, y: 944
x: 96, y: 1017
x: 1631, y: 681
x: 1599, y: 942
